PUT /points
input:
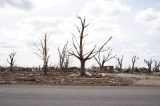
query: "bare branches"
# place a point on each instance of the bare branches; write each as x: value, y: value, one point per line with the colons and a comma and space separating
x: 74, y: 45
x: 64, y: 57
x: 79, y: 46
x: 149, y: 64
x: 42, y: 51
x: 98, y: 59
x: 109, y: 56
x: 67, y: 61
x: 134, y: 59
x: 120, y: 62
x: 83, y: 22
x: 101, y: 61
x: 102, y: 47
x: 91, y: 54
x: 157, y: 65
x: 11, y: 60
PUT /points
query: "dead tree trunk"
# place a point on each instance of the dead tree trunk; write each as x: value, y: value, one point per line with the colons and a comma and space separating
x: 79, y: 46
x: 149, y: 64
x: 63, y: 57
x: 42, y: 52
x: 67, y: 61
x: 11, y: 60
x: 83, y: 68
x: 157, y: 66
x: 134, y: 59
x: 120, y: 63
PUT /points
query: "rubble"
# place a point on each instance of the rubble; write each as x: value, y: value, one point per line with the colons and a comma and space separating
x: 57, y: 78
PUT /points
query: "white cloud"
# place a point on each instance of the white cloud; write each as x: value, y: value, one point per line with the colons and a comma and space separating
x: 104, y: 9
x: 141, y: 45
x: 103, y: 15
x: 150, y: 18
x: 41, y: 24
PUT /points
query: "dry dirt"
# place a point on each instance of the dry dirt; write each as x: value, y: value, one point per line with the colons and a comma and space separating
x: 149, y: 82
x: 57, y: 78
x: 142, y: 80
x: 68, y: 78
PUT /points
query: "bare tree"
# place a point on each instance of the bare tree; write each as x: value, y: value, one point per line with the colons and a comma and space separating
x: 79, y: 46
x: 149, y: 64
x: 64, y: 58
x: 67, y: 61
x: 120, y: 63
x: 102, y: 60
x: 134, y: 59
x: 42, y: 51
x: 157, y: 65
x: 11, y: 60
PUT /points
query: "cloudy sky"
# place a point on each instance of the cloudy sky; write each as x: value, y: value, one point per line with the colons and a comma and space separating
x: 134, y: 25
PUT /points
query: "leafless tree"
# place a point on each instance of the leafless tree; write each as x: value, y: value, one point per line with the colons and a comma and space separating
x: 102, y: 60
x: 120, y: 63
x: 149, y: 64
x: 157, y: 66
x: 79, y: 46
x: 67, y: 61
x: 42, y: 51
x: 64, y: 58
x: 11, y: 60
x: 134, y: 59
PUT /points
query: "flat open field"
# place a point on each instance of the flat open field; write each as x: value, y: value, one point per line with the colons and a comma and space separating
x: 72, y: 78
x: 57, y: 78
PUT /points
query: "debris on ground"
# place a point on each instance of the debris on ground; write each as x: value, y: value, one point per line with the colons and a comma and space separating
x: 64, y: 78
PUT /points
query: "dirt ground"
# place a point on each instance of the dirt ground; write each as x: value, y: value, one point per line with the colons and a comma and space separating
x: 148, y: 83
x: 57, y: 78
x: 142, y: 80
x: 68, y: 78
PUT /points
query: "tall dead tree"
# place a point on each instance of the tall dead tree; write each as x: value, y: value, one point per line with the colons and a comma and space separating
x: 79, y: 46
x: 67, y: 62
x: 120, y: 63
x: 134, y: 59
x: 42, y: 51
x: 64, y: 57
x: 11, y: 60
x: 157, y: 65
x: 102, y: 60
x: 149, y: 64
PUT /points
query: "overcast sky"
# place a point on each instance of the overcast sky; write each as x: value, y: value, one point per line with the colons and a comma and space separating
x: 134, y: 25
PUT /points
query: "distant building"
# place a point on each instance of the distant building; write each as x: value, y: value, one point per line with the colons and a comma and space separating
x: 107, y: 69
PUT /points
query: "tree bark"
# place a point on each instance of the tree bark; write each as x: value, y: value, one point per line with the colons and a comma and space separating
x: 42, y: 52
x: 133, y: 67
x: 45, y: 69
x: 83, y: 68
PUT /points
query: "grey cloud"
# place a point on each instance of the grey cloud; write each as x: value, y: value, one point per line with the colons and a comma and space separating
x: 21, y: 4
x: 44, y: 24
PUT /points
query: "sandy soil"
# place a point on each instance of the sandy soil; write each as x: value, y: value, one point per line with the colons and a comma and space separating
x: 143, y: 80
